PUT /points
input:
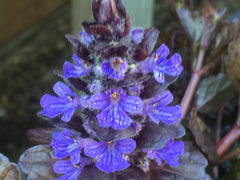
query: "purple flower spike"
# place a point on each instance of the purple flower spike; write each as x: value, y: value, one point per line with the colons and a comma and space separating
x: 66, y: 104
x: 67, y: 143
x: 157, y: 110
x: 158, y: 64
x: 86, y: 38
x: 80, y: 69
x: 109, y: 153
x: 114, y: 104
x: 169, y: 153
x: 116, y: 68
x: 136, y: 35
x: 71, y: 171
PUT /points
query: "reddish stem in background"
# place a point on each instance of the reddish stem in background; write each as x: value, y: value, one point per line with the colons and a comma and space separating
x: 230, y: 155
x: 231, y: 136
x: 197, y: 74
x: 228, y: 140
x: 218, y: 124
x: 151, y: 175
x: 192, y: 85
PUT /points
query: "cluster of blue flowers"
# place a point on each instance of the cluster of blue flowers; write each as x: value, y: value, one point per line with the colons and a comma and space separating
x: 115, y: 103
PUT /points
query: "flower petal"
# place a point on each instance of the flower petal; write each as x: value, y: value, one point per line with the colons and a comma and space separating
x: 151, y: 154
x: 121, y: 119
x: 159, y: 76
x: 147, y: 65
x: 95, y: 149
x: 168, y: 115
x: 66, y: 167
x: 77, y: 60
x: 86, y: 38
x: 52, y: 106
x: 112, y: 161
x: 67, y: 115
x: 64, y: 136
x: 131, y: 104
x: 107, y: 68
x: 99, y: 101
x: 170, y: 153
x: 73, y: 71
x: 63, y: 166
x: 48, y: 99
x: 162, y: 99
x: 172, y: 66
x: 136, y: 35
x: 62, y: 90
x: 105, y: 117
x: 124, y: 146
x: 162, y: 52
x: 115, y: 117
x: 159, y: 160
x: 75, y: 156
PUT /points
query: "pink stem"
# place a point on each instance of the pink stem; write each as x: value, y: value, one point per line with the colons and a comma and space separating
x: 192, y: 85
x: 230, y: 155
x: 228, y: 140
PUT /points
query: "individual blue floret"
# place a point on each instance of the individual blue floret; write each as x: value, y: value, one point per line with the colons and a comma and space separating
x: 114, y: 104
x: 65, y: 104
x: 156, y: 108
x: 82, y: 68
x: 109, y: 154
x: 169, y: 153
x: 67, y: 143
x: 136, y: 35
x: 115, y: 68
x: 158, y: 64
x: 86, y: 38
x: 71, y: 171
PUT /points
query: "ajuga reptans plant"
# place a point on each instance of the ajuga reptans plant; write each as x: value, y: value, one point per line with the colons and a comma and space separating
x: 114, y: 100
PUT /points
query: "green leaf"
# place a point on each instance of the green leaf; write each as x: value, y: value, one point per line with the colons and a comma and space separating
x: 202, y: 134
x: 192, y: 23
x: 213, y: 92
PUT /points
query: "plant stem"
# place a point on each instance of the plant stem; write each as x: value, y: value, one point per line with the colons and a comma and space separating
x: 230, y: 155
x: 218, y: 124
x: 231, y: 136
x: 151, y: 175
x: 228, y: 140
x: 238, y: 118
x: 192, y: 85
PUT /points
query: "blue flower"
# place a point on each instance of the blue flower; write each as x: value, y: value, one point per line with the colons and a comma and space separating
x: 157, y: 110
x: 82, y: 68
x: 71, y: 171
x: 86, y: 38
x: 67, y: 143
x: 158, y: 64
x: 169, y: 153
x: 136, y: 35
x: 116, y: 68
x: 109, y: 154
x: 67, y: 102
x: 114, y: 104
